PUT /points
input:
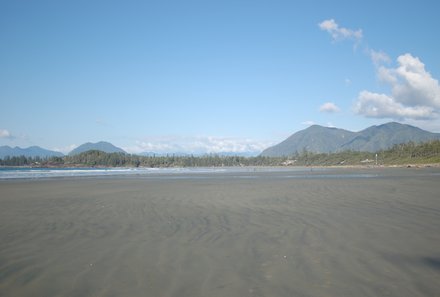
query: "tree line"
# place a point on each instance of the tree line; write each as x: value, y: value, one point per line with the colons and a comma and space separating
x: 428, y: 152
x: 95, y: 158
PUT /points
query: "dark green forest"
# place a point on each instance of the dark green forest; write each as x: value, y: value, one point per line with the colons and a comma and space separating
x: 408, y: 153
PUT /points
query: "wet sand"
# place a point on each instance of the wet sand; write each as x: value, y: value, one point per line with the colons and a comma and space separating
x: 254, y: 234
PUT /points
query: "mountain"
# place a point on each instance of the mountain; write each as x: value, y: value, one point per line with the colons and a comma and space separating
x: 106, y: 147
x: 326, y: 140
x: 33, y: 151
x: 315, y: 139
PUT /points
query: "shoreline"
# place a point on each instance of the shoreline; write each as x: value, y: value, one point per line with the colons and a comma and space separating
x: 272, y: 172
x: 405, y: 165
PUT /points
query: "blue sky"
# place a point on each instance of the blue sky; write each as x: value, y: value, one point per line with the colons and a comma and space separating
x: 212, y: 76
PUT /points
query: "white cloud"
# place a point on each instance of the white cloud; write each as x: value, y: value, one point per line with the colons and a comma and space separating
x: 329, y: 107
x: 151, y: 147
x: 379, y: 57
x: 340, y: 33
x: 5, y: 134
x: 415, y: 94
x: 197, y: 145
x: 376, y: 105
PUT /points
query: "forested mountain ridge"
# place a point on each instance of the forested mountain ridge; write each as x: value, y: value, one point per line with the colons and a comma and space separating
x: 319, y: 139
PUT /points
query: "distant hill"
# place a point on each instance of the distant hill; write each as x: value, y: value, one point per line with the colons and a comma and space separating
x: 106, y: 147
x: 320, y: 139
x: 33, y: 151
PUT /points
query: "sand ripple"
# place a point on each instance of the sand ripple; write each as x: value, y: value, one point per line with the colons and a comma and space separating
x: 221, y: 237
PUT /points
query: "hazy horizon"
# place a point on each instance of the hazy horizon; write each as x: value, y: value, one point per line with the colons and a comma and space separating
x: 198, y: 149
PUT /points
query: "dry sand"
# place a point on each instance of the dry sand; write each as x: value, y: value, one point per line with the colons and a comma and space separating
x: 261, y: 234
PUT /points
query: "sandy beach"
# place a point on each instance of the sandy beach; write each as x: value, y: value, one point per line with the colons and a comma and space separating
x: 347, y: 232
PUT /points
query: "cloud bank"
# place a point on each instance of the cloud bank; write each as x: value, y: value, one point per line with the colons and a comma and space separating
x: 415, y: 94
x: 198, y: 145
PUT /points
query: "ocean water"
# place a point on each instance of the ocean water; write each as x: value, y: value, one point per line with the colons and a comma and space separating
x: 38, y: 173
x: 9, y: 173
x: 15, y: 173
